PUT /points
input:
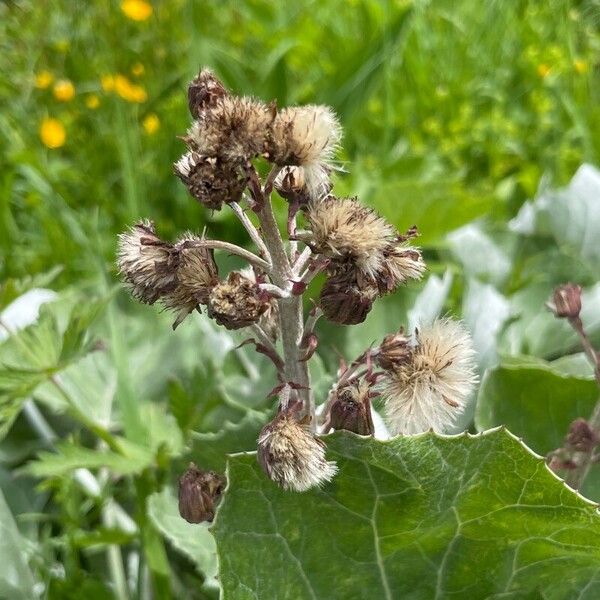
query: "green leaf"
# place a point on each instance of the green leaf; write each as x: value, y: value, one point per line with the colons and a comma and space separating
x: 16, y: 580
x: 69, y: 457
x: 415, y: 517
x: 194, y: 541
x: 535, y: 399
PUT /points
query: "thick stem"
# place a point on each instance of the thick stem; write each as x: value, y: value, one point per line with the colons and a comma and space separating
x: 576, y: 477
x: 291, y: 317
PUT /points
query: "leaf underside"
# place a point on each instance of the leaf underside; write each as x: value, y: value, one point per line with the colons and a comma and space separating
x: 414, y: 517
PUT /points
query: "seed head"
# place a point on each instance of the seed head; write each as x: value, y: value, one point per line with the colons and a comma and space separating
x: 204, y: 91
x: 237, y: 302
x: 566, y: 301
x: 291, y: 456
x: 343, y: 300
x: 348, y: 232
x: 304, y: 136
x: 351, y: 409
x: 430, y: 390
x: 210, y: 180
x: 146, y: 263
x: 400, y: 264
x: 303, y: 184
x: 199, y: 494
x: 234, y: 129
x: 197, y: 274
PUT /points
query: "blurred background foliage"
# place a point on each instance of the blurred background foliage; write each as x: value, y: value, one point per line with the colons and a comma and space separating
x: 462, y: 118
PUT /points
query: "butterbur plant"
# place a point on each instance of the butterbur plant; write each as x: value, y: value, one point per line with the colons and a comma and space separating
x: 424, y: 377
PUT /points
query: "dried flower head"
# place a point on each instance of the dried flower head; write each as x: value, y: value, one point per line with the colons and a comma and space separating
x: 269, y: 319
x: 210, y: 180
x: 348, y: 232
x: 394, y: 351
x: 400, y: 264
x: 581, y: 437
x: 199, y: 494
x: 197, y: 274
x: 233, y: 129
x: 351, y: 409
x: 237, y: 302
x: 306, y: 136
x: 430, y: 390
x: 343, y: 300
x: 291, y: 456
x: 204, y: 91
x: 147, y: 263
x: 566, y: 301
x: 301, y: 185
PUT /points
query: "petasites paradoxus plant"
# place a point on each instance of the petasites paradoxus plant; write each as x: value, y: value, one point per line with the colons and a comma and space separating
x: 419, y: 512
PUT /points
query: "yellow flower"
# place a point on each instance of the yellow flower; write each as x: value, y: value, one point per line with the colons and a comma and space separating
x: 52, y: 133
x: 136, y: 10
x: 543, y: 70
x: 129, y: 91
x: 580, y: 65
x: 151, y: 123
x: 138, y: 69
x: 92, y: 101
x: 43, y: 80
x: 64, y: 90
x: 107, y: 82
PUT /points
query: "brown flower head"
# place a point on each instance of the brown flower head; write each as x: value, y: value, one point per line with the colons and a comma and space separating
x: 394, y: 351
x: 351, y: 409
x: 234, y: 129
x: 566, y: 301
x: 147, y: 263
x: 400, y: 263
x: 204, y: 91
x: 291, y: 456
x: 199, y: 494
x: 237, y: 302
x: 197, y: 275
x: 348, y: 232
x: 211, y: 181
x: 301, y: 185
x: 344, y: 300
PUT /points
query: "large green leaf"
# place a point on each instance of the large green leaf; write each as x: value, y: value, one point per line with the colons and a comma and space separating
x: 194, y: 541
x: 16, y: 580
x: 535, y: 399
x: 414, y: 517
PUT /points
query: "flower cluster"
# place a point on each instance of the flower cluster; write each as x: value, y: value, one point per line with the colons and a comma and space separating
x: 424, y: 379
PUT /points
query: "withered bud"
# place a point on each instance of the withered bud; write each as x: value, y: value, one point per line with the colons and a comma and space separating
x: 351, y: 409
x: 147, y: 263
x: 237, y: 302
x: 291, y: 455
x: 204, y: 91
x: 566, y: 301
x: 199, y: 494
x: 581, y: 436
x: 344, y: 301
x: 210, y: 180
x: 394, y: 350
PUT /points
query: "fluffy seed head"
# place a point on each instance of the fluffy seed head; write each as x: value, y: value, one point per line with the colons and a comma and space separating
x: 400, y: 263
x: 291, y: 456
x: 304, y: 136
x: 430, y: 389
x: 237, y: 302
x: 234, y: 129
x: 351, y: 409
x: 210, y: 180
x: 146, y: 263
x: 348, y: 232
x: 204, y: 91
x: 303, y: 184
x: 343, y: 300
x: 197, y: 274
